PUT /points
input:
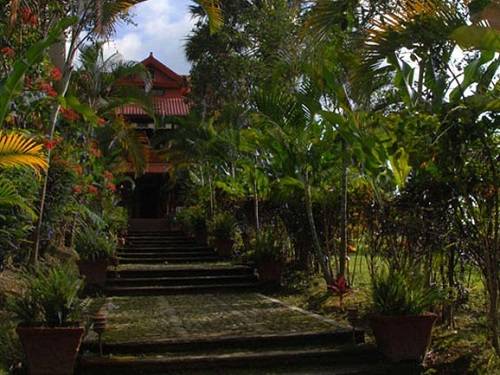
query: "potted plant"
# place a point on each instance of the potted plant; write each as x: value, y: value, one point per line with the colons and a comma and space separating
x: 96, y: 249
x: 47, y: 311
x: 268, y: 255
x: 193, y: 221
x: 221, y: 229
x: 401, y: 323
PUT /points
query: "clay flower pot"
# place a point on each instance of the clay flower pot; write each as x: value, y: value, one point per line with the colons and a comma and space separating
x: 224, y: 247
x: 94, y: 271
x: 270, y: 271
x: 403, y: 338
x: 50, y: 350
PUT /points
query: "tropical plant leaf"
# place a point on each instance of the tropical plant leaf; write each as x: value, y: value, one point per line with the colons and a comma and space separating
x: 214, y: 13
x: 477, y: 37
x: 9, y: 197
x: 17, y: 150
x: 12, y: 83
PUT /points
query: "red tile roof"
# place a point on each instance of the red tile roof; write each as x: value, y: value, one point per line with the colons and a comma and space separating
x: 163, y: 107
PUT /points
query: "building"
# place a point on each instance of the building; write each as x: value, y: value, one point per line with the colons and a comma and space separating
x: 154, y: 195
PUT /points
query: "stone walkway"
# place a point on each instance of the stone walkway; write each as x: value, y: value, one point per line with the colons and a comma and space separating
x: 149, y: 318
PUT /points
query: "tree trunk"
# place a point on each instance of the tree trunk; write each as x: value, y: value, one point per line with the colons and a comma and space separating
x: 343, y: 212
x: 321, y: 257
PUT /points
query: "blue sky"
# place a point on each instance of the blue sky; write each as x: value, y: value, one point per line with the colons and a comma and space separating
x: 162, y: 27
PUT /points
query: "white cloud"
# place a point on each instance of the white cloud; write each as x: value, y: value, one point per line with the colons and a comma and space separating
x: 162, y: 27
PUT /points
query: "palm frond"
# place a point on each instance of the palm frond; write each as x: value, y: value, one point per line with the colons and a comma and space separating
x: 17, y: 150
x: 9, y: 197
x: 404, y: 28
x: 213, y: 11
x: 107, y: 13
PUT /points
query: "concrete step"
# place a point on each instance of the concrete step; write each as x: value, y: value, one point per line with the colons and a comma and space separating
x: 164, y: 248
x: 355, y: 358
x: 169, y: 260
x: 163, y: 254
x: 177, y: 281
x: 180, y: 289
x: 245, y: 342
x: 182, y: 271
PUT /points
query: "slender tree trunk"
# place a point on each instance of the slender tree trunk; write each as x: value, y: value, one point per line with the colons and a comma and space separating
x: 43, y: 196
x: 343, y: 212
x: 256, y: 200
x: 320, y: 255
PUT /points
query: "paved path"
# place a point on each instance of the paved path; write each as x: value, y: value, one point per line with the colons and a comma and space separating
x: 149, y: 318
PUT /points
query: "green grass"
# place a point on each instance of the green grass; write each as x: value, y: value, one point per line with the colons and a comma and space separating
x: 464, y: 347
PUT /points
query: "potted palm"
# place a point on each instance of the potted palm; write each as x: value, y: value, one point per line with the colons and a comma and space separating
x: 96, y: 250
x: 268, y: 255
x: 221, y: 229
x: 48, y: 312
x: 401, y: 323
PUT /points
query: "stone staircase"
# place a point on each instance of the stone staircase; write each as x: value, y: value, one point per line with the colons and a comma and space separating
x: 162, y: 261
x: 177, y: 308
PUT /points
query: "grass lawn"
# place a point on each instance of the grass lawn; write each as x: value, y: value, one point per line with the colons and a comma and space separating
x: 463, y: 349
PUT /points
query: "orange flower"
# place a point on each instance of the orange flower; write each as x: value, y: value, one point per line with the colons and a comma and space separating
x: 101, y: 121
x: 108, y: 175
x: 111, y: 187
x: 48, y: 89
x: 55, y: 74
x: 92, y: 189
x: 94, y: 150
x: 8, y: 52
x: 77, y: 189
x: 69, y: 114
x: 78, y: 169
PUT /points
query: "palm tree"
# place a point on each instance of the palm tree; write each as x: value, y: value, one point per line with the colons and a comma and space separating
x: 296, y: 148
x: 99, y: 83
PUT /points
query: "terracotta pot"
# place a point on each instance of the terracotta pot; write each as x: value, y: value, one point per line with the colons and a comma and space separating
x: 224, y: 247
x: 94, y: 271
x: 270, y: 271
x: 403, y: 338
x: 50, y: 351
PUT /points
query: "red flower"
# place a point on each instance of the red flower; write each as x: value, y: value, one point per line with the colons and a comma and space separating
x: 50, y: 144
x: 111, y: 187
x: 101, y: 121
x: 339, y: 286
x: 8, y: 52
x: 77, y: 189
x: 92, y: 189
x: 48, y: 89
x: 69, y: 114
x: 78, y: 169
x: 108, y: 175
x: 55, y: 74
x: 28, y: 17
x: 94, y: 150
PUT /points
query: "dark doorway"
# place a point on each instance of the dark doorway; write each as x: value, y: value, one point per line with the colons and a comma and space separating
x: 148, y: 202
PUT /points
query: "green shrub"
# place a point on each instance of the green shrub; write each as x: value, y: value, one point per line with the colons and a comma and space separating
x: 268, y: 245
x: 222, y: 226
x: 50, y: 297
x: 116, y: 220
x: 401, y: 293
x: 192, y: 219
x: 10, y: 347
x: 93, y: 244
